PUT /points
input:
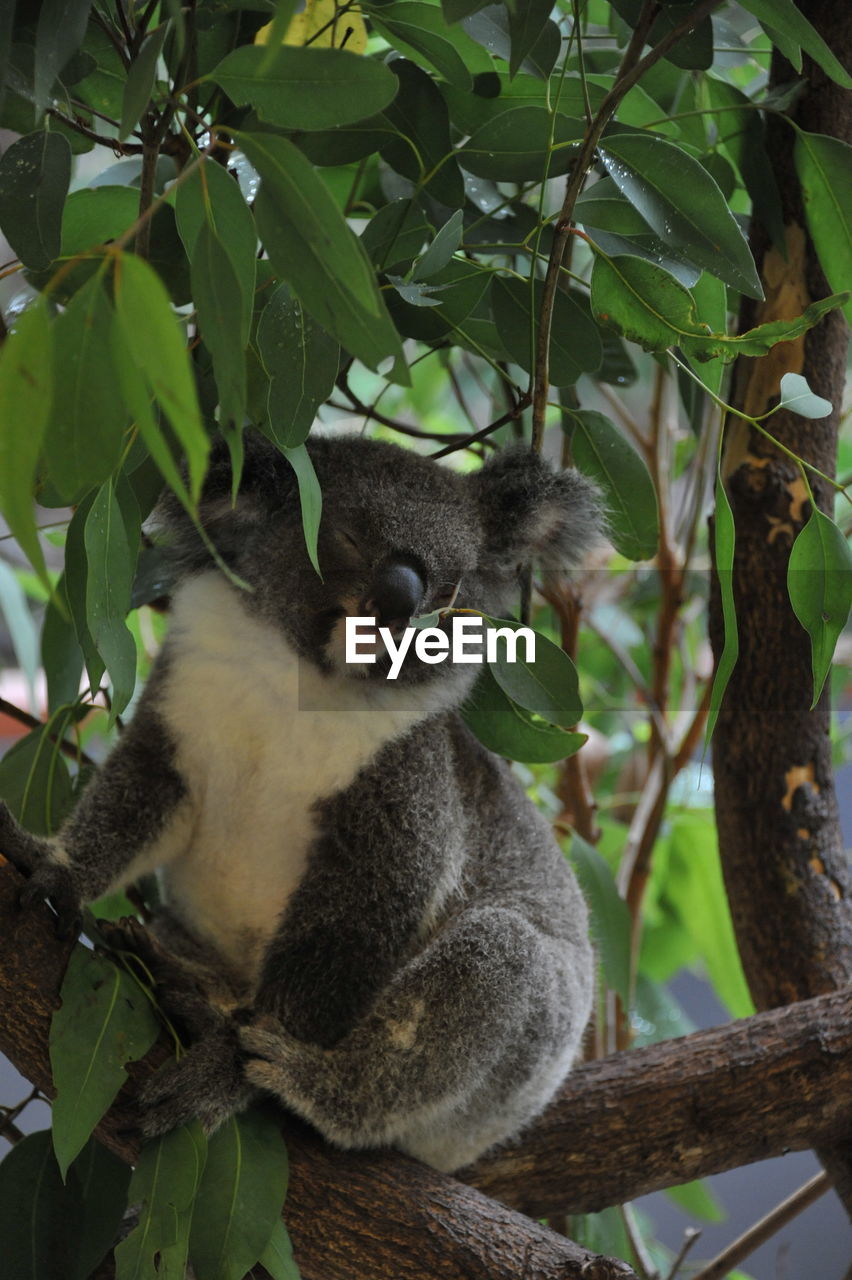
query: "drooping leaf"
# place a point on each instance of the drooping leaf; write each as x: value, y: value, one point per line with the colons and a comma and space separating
x: 421, y: 149
x: 618, y: 228
x: 240, y: 1198
x: 742, y: 132
x: 220, y: 303
x: 61, y: 655
x: 306, y: 88
x: 724, y: 545
x: 314, y: 250
x: 277, y: 1257
x: 603, y: 453
x: 824, y: 168
x: 104, y: 1181
x: 165, y: 1182
x: 103, y: 1022
x: 26, y: 389
x: 112, y: 545
x: 59, y: 33
x: 84, y: 436
x: 610, y: 915
x: 797, y: 396
x: 302, y: 363
x: 73, y: 586
x: 693, y: 51
x: 489, y: 26
x: 140, y: 80
x: 547, y: 685
x: 34, y: 778
x: 441, y: 249
x: 681, y: 203
x: 514, y: 146
x: 788, y: 20
x: 310, y: 497
x: 38, y: 1214
x: 526, y: 25
x: 395, y: 235
x: 575, y: 345
x: 819, y: 582
x: 34, y: 175
x: 508, y: 730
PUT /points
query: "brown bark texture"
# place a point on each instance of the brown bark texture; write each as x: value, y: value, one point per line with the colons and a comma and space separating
x: 786, y: 872
x: 621, y: 1127
x: 374, y: 1215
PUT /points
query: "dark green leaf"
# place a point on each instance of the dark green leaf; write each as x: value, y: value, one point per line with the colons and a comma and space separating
x: 277, y: 1257
x: 610, y: 915
x: 490, y: 28
x: 797, y: 396
x: 73, y: 589
x: 824, y: 168
x: 395, y: 235
x: 784, y: 17
x: 312, y: 248
x: 25, y: 400
x: 211, y: 196
x: 508, y: 730
x: 455, y: 10
x: 302, y: 363
x: 165, y: 1182
x: 104, y: 1181
x: 59, y: 34
x: 601, y: 451
x: 680, y: 202
x: 742, y: 132
x: 819, y: 581
x: 104, y: 1021
x: 602, y: 208
x: 459, y: 287
x: 575, y: 345
x: 34, y: 778
x: 61, y: 656
x: 525, y: 28
x: 548, y: 686
x: 39, y: 1216
x: 306, y: 88
x: 241, y: 1195
x: 34, y: 177
x: 349, y: 142
x: 112, y: 545
x: 221, y: 304
x: 140, y: 80
x: 692, y: 52
x: 724, y: 544
x: 422, y: 150
x: 441, y: 249
x: 419, y: 31
x: 85, y: 434
x: 514, y: 146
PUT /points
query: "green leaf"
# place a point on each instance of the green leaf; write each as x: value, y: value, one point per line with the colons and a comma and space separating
x: 824, y: 168
x: 784, y: 17
x: 724, y: 545
x: 26, y: 389
x: 455, y: 10
x: 306, y: 88
x: 38, y: 1215
x: 34, y: 175
x: 34, y: 778
x: 441, y: 249
x: 601, y: 451
x: 693, y: 51
x: 698, y: 1201
x: 742, y: 133
x: 310, y: 497
x: 819, y: 582
x: 241, y: 1195
x: 140, y: 80
x: 421, y: 149
x: 526, y: 25
x: 797, y: 396
x: 73, y: 589
x: 314, y: 250
x: 508, y: 730
x: 680, y: 202
x: 514, y: 146
x: 549, y: 686
x: 85, y: 434
x: 220, y: 303
x: 211, y: 197
x: 59, y: 34
x: 575, y: 345
x: 160, y: 362
x: 491, y: 30
x: 603, y: 209
x: 61, y: 655
x: 420, y: 31
x: 395, y: 235
x: 103, y: 1022
x: 104, y: 1182
x: 277, y: 1257
x: 302, y: 363
x: 165, y: 1182
x: 112, y: 545
x: 610, y: 915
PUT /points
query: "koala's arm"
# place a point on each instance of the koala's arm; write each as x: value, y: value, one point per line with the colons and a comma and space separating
x: 133, y: 816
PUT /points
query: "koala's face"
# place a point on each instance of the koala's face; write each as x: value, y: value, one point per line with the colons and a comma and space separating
x: 400, y: 537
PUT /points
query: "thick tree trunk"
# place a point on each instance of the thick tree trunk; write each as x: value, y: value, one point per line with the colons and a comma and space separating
x: 786, y: 873
x: 620, y: 1127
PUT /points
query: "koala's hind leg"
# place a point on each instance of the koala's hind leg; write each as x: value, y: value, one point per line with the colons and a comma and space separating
x: 464, y: 1045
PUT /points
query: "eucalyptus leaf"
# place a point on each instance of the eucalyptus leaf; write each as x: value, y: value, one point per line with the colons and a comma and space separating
x: 112, y: 545
x: 104, y: 1021
x: 59, y: 33
x: 140, y: 80
x: 441, y: 249
x: 797, y: 396
x: 39, y: 1215
x: 602, y: 452
x: 509, y: 730
x: 575, y: 345
x: 221, y: 304
x: 824, y: 169
x: 548, y: 685
x: 819, y: 582
x: 301, y: 361
x: 277, y: 1258
x: 310, y: 498
x: 34, y: 778
x: 522, y: 144
x: 724, y: 547
x: 784, y: 17
x: 419, y: 31
x: 164, y: 1184
x: 526, y: 25
x: 35, y: 173
x: 610, y: 915
x: 422, y: 149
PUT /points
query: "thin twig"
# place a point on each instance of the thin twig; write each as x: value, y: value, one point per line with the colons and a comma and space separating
x: 689, y: 1238
x: 765, y: 1228
x: 644, y: 1262
x: 512, y: 416
x: 120, y: 148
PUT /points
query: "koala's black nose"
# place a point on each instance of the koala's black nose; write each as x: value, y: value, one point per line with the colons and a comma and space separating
x: 396, y: 592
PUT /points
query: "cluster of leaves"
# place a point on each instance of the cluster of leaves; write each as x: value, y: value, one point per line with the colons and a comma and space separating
x: 357, y: 203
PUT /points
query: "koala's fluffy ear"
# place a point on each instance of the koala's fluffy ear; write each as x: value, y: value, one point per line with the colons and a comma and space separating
x: 532, y: 513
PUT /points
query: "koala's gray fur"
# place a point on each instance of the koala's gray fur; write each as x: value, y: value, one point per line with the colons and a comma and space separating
x: 390, y: 939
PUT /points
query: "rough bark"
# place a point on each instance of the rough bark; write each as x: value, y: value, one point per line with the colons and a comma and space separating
x: 787, y: 876
x: 620, y: 1127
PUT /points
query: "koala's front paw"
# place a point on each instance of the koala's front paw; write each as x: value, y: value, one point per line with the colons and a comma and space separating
x: 206, y: 1084
x: 46, y: 878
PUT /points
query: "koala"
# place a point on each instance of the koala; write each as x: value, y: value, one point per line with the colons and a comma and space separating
x: 363, y: 914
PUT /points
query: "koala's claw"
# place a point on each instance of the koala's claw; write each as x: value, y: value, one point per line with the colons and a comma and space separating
x: 49, y: 880
x: 206, y: 1084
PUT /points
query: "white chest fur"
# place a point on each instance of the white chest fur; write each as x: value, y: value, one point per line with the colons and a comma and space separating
x: 256, y: 760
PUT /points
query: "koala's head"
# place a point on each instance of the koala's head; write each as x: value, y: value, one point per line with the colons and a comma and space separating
x: 400, y: 536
